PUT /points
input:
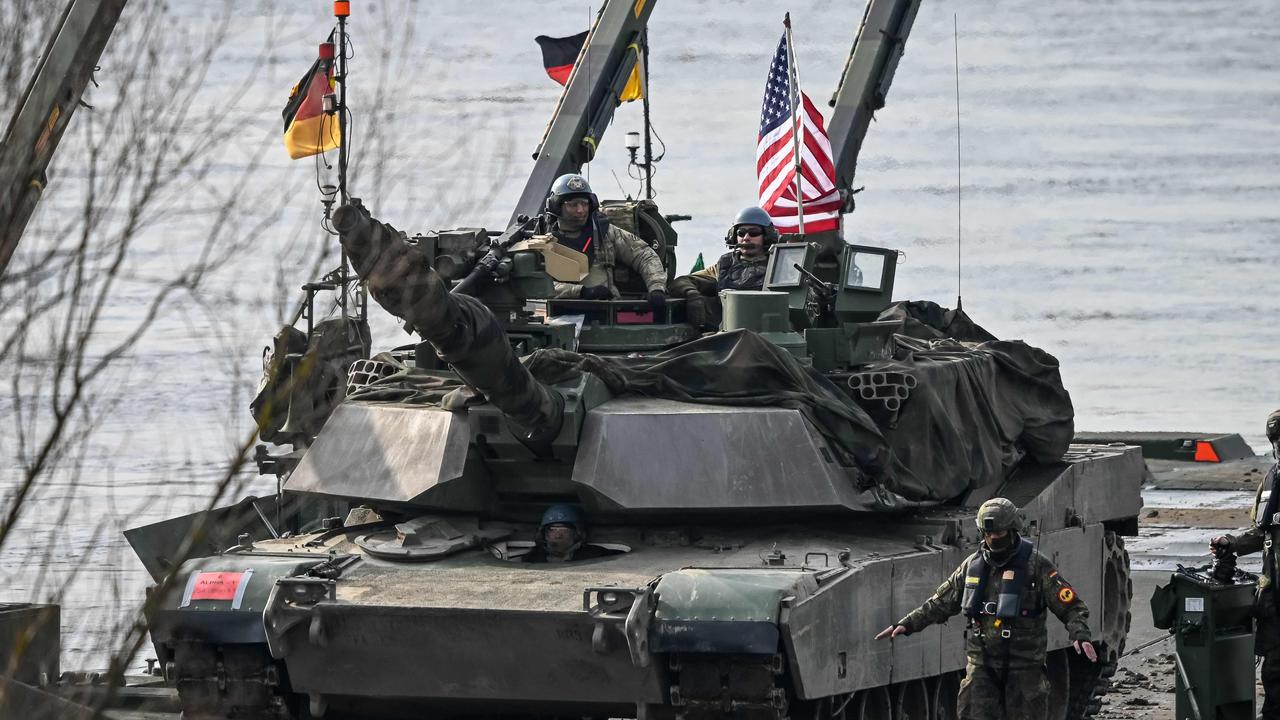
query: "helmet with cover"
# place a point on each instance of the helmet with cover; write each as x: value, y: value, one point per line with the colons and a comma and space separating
x: 570, y: 186
x: 1273, y: 427
x: 998, y: 514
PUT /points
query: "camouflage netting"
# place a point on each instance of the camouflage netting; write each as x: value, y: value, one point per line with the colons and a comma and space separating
x: 977, y: 409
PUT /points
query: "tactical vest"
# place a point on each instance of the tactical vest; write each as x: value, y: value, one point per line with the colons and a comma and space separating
x: 1013, y: 581
x: 734, y: 273
x: 587, y: 240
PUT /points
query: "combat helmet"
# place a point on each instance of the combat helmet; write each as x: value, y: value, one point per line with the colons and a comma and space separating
x: 563, y: 514
x: 568, y: 186
x: 752, y: 216
x: 998, y: 514
x: 1273, y: 427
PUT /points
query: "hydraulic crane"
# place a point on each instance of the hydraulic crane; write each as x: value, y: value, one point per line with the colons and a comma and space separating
x: 612, y: 50
x: 42, y: 115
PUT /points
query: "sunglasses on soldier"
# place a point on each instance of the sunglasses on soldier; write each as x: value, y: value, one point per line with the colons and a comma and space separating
x: 745, y: 232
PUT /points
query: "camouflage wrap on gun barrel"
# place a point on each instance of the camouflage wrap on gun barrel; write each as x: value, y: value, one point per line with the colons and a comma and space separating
x: 462, y: 330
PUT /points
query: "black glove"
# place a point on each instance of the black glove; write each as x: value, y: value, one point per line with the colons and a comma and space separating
x: 657, y: 300
x: 1221, y: 545
x: 596, y: 292
x: 695, y: 311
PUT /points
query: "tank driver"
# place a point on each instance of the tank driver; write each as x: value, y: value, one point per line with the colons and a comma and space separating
x: 562, y: 537
x: 1261, y: 535
x: 1003, y: 590
x: 742, y: 268
x: 576, y: 222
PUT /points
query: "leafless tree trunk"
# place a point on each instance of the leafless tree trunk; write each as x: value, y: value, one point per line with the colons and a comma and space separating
x: 149, y: 155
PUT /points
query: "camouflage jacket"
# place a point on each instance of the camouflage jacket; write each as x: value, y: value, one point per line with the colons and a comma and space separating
x: 620, y: 246
x: 1254, y: 540
x: 748, y: 274
x: 1028, y: 638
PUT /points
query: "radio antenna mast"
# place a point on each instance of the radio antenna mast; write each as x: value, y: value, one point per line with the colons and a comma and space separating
x: 955, y: 29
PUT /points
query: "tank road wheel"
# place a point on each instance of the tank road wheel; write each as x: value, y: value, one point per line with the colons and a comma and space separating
x: 871, y: 704
x: 1090, y: 681
x: 910, y: 700
x: 943, y: 693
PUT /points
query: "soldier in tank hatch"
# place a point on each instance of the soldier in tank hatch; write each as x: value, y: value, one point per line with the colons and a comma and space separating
x: 576, y: 222
x: 1261, y: 535
x: 1003, y: 590
x: 562, y: 537
x: 742, y: 268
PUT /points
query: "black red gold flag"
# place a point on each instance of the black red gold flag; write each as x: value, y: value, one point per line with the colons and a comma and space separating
x: 308, y: 130
x: 560, y: 54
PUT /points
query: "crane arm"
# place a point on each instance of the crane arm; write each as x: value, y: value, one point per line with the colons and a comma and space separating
x: 868, y: 72
x: 46, y: 107
x: 586, y: 107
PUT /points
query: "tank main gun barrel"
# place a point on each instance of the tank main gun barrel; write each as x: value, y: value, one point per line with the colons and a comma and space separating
x: 462, y: 330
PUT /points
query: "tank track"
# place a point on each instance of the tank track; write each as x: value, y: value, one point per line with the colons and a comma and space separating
x: 227, y: 682
x: 744, y: 687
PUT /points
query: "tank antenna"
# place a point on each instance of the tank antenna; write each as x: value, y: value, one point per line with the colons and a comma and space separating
x: 586, y: 57
x: 955, y: 30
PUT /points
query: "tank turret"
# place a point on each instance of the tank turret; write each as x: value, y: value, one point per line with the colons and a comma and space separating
x: 464, y: 333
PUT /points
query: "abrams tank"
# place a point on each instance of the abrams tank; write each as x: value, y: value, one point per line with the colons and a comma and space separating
x: 760, y: 501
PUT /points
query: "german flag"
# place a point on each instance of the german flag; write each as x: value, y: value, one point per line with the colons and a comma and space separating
x: 560, y: 54
x: 307, y: 129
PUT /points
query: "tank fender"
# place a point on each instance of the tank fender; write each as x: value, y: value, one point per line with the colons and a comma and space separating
x: 724, y: 610
x: 221, y: 599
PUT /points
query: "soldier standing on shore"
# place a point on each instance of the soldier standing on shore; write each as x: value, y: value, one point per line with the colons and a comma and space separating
x: 1261, y: 535
x: 1003, y: 590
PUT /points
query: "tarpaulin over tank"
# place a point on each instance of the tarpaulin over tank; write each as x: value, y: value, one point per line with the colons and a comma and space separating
x: 978, y: 406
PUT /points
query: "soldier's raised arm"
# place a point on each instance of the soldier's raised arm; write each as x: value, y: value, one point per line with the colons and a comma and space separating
x: 943, y: 605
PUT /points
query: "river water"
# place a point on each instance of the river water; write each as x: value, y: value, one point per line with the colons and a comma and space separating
x: 1121, y: 169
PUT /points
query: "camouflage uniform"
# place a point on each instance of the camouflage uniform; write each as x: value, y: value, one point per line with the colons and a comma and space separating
x: 1267, y: 641
x: 620, y: 246
x: 1004, y: 677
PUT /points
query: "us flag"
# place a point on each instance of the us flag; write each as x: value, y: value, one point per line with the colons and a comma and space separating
x: 775, y: 156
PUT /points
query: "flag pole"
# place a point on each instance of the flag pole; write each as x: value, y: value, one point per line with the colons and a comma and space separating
x: 342, y: 8
x: 797, y: 128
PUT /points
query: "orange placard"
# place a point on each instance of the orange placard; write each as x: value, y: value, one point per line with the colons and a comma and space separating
x: 216, y: 585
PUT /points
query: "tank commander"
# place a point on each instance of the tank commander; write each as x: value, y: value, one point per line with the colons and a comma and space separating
x: 1261, y: 535
x: 562, y: 537
x: 1003, y: 589
x: 576, y: 222
x: 742, y: 268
